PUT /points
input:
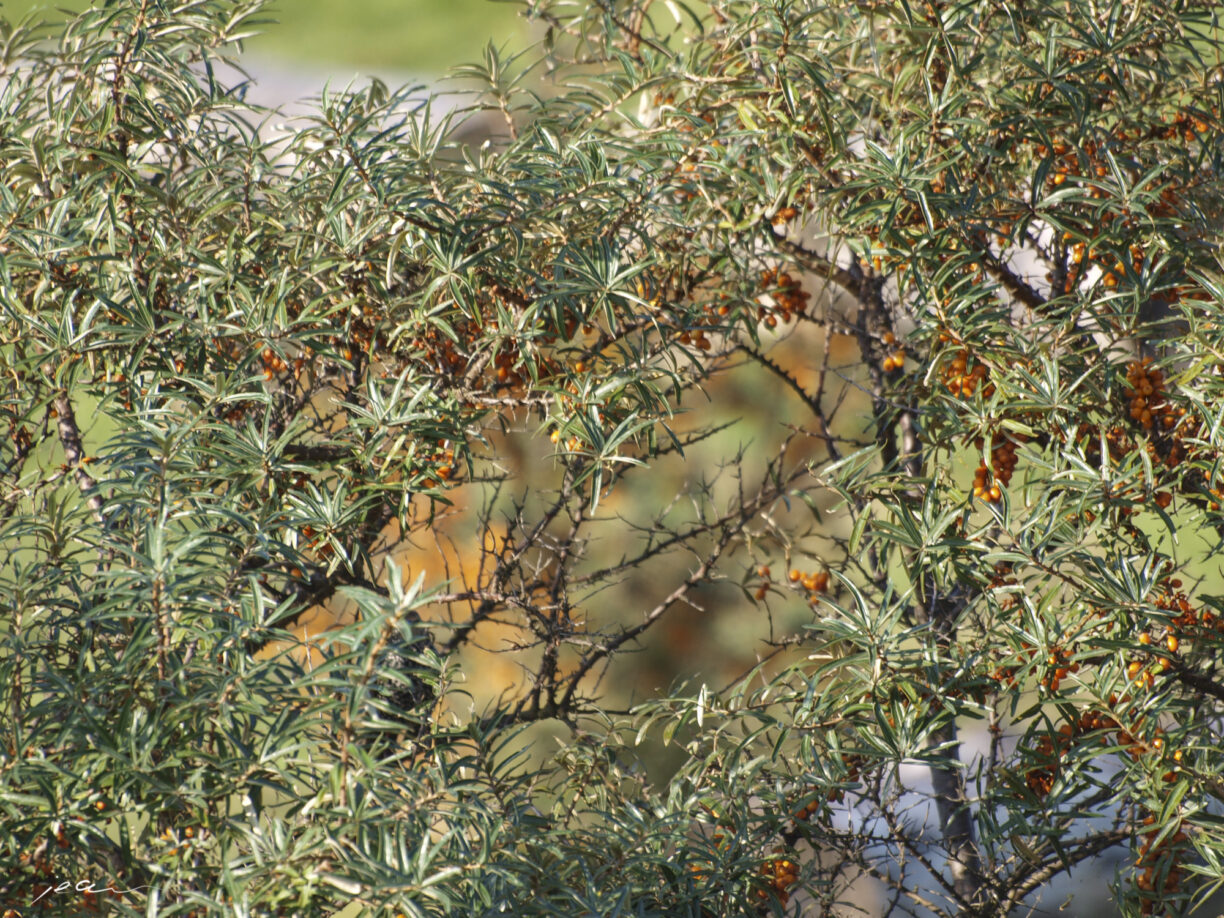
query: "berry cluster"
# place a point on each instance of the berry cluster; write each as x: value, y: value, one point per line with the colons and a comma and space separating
x: 1001, y: 576
x: 273, y: 363
x: 789, y: 297
x: 1146, y: 668
x: 1189, y: 622
x: 1188, y: 125
x: 696, y: 337
x: 814, y: 583
x: 442, y: 461
x: 1113, y: 269
x: 1172, y: 433
x: 807, y: 810
x: 894, y: 360
x: 1058, y: 666
x: 1051, y: 749
x: 990, y: 479
x: 572, y: 443
x: 784, y: 215
x: 963, y: 379
x: 180, y: 843
x: 1160, y: 863
x: 815, y: 801
x: 1165, y: 433
x: 854, y: 767
x: 503, y: 367
x: 1161, y: 645
x: 761, y: 591
x: 780, y: 875
x: 1145, y: 396
x: 1088, y: 162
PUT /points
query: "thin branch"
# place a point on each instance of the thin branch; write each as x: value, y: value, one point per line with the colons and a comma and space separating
x: 1199, y: 682
x: 1079, y: 850
x: 1017, y: 286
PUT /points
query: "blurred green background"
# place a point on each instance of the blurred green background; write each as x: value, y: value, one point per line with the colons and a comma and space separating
x: 373, y: 37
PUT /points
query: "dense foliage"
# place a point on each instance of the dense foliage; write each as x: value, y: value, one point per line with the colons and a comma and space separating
x: 250, y: 367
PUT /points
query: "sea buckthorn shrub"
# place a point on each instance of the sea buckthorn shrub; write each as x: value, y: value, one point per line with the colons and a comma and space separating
x: 955, y: 264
